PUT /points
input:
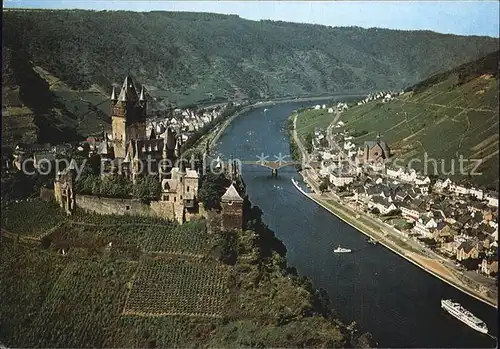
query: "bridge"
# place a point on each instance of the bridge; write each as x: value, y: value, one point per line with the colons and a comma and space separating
x: 273, y: 165
x: 262, y: 160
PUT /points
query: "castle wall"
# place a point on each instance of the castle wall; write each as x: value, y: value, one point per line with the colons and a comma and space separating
x: 47, y: 194
x: 163, y: 209
x: 117, y: 206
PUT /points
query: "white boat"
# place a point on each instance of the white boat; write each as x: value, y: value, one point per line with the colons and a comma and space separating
x: 265, y: 109
x: 464, y: 315
x: 341, y: 250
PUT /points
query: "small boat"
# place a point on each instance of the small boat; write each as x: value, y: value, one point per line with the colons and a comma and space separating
x: 342, y: 250
x: 265, y: 109
x: 372, y: 241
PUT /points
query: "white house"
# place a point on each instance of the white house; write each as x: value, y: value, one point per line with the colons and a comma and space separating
x: 420, y: 180
x: 330, y: 110
x: 323, y: 106
x: 409, y: 176
x: 492, y: 199
x: 478, y: 193
x: 383, y: 205
x: 409, y: 213
x: 317, y: 107
x: 394, y: 173
x: 339, y: 179
x: 424, y: 225
x: 349, y: 145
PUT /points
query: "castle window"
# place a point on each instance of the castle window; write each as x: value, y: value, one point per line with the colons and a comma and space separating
x: 167, y: 198
x: 376, y: 153
x: 175, y: 199
x: 181, y: 197
x: 127, y: 207
x: 188, y: 188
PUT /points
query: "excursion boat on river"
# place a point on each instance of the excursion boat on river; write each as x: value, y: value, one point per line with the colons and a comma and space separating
x: 462, y: 314
x: 296, y: 185
x: 342, y: 250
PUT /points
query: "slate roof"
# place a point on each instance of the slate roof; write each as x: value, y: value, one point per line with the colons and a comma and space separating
x: 231, y: 194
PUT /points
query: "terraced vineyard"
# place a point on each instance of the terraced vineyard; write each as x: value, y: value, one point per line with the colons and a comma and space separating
x: 86, y: 298
x: 449, y: 116
x: 178, y: 287
x: 32, y: 218
x: 189, y: 239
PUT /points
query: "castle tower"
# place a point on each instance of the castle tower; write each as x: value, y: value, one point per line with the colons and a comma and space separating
x: 232, y: 210
x: 128, y: 116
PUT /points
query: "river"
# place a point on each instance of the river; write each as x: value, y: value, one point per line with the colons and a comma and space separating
x: 386, y: 295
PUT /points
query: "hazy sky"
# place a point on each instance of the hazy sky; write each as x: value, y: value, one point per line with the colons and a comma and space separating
x: 458, y: 17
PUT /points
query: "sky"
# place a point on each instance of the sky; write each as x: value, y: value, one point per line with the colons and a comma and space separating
x: 476, y: 17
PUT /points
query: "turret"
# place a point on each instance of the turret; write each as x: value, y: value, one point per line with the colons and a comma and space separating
x: 141, y: 97
x: 113, y: 96
x: 177, y: 149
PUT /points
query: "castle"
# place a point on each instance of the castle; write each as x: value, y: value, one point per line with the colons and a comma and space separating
x: 125, y: 152
x: 128, y: 148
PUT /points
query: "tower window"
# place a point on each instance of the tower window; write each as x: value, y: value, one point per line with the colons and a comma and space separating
x: 187, y: 188
x: 175, y: 199
x: 181, y: 197
x: 167, y: 198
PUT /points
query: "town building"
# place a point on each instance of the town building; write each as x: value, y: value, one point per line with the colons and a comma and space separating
x: 376, y: 151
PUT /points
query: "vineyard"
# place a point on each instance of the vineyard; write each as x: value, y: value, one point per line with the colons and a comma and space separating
x: 82, y: 305
x: 188, y: 239
x: 27, y: 274
x: 31, y: 218
x: 178, y: 287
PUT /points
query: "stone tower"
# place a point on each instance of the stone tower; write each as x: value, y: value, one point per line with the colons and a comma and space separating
x: 232, y: 210
x: 63, y: 189
x: 128, y: 116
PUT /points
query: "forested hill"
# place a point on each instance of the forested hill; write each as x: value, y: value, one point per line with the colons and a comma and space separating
x: 190, y: 57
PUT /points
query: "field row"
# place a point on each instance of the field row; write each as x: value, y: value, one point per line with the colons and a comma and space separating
x: 178, y: 287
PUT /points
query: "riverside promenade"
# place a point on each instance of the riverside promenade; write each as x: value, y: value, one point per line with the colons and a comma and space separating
x: 385, y: 234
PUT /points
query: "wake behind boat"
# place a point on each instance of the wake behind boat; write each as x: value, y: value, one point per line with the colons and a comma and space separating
x: 342, y: 250
x: 462, y: 314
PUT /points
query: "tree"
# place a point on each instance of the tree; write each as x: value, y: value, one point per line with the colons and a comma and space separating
x: 308, y: 140
x: 147, y: 188
x: 324, y: 185
x: 212, y: 188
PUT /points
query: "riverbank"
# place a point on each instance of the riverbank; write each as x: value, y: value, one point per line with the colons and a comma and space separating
x: 381, y: 232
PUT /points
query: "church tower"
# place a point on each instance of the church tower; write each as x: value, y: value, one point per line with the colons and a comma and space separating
x: 128, y: 116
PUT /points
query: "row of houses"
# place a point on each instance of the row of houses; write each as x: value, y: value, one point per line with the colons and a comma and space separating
x: 445, y: 186
x: 384, y: 96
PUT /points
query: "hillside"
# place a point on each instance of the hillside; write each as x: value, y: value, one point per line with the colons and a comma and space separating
x: 447, y: 116
x: 36, y: 109
x: 157, y: 285
x: 192, y: 57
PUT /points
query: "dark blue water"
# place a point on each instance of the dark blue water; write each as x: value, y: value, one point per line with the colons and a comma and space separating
x: 385, y: 294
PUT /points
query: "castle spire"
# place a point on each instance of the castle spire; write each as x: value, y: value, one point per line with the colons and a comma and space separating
x: 113, y: 95
x: 141, y: 97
